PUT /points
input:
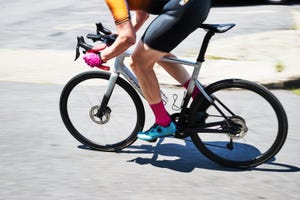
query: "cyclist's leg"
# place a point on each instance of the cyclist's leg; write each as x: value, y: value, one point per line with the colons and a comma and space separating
x: 177, y: 71
x: 165, y: 32
x: 142, y: 62
x: 172, y: 27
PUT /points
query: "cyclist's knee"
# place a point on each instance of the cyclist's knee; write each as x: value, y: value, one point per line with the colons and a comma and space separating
x: 132, y: 63
x: 144, y: 58
x: 139, y: 62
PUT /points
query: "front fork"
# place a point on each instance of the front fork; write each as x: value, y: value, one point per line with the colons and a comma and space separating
x: 103, y: 106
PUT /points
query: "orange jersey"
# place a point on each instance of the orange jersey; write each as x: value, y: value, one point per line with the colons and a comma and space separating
x: 120, y: 8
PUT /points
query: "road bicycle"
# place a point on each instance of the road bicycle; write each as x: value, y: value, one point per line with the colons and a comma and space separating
x: 233, y: 122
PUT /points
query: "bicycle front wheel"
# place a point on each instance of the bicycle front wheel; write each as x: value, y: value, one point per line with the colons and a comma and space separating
x: 117, y: 129
x: 260, y: 124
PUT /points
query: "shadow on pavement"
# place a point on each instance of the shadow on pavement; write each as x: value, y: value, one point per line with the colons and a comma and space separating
x: 186, y: 158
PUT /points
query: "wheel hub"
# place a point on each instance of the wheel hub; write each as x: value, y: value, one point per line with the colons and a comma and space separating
x: 238, y: 128
x: 103, y: 119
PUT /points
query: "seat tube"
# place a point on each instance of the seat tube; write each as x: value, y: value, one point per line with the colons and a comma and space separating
x: 196, y: 83
x: 194, y: 77
x: 192, y: 84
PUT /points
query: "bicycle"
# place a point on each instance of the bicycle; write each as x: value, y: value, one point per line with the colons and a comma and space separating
x: 214, y: 120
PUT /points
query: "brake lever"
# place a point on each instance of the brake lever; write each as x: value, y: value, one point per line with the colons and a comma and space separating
x: 94, y: 37
x: 100, y: 28
x: 107, y: 39
x: 81, y: 43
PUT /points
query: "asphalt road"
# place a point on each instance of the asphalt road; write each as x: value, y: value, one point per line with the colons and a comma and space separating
x: 41, y: 160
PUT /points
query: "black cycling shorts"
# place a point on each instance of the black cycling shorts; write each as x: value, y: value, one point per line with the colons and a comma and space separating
x: 178, y: 19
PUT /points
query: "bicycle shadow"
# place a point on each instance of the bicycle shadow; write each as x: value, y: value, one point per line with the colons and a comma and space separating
x: 186, y: 158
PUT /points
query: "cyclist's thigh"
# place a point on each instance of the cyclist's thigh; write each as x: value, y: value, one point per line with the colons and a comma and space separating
x: 178, y: 19
x: 144, y: 55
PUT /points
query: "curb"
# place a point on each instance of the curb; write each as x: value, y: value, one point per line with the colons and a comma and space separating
x: 288, y: 84
x: 280, y: 85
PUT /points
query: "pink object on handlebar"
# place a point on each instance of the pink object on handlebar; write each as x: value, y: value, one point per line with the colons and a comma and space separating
x: 92, y: 59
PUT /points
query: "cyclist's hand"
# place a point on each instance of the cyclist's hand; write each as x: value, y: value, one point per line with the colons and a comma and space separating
x: 93, y: 59
x: 98, y: 48
x: 114, y: 34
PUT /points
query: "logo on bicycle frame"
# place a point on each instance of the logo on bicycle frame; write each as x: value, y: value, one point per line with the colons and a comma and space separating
x: 183, y: 2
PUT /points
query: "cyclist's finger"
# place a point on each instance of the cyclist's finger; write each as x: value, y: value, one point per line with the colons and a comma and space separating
x: 98, y: 48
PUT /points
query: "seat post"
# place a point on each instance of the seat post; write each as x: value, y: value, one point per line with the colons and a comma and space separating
x: 208, y: 36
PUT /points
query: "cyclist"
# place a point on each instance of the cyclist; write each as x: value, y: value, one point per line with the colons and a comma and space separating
x: 175, y: 21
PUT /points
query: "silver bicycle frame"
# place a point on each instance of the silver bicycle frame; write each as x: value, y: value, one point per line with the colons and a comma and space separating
x: 121, y: 68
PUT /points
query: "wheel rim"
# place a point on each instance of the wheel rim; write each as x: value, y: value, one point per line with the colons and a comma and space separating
x: 79, y: 101
x: 259, y: 143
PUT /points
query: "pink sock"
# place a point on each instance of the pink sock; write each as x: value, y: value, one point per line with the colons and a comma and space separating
x: 196, y: 90
x: 162, y: 117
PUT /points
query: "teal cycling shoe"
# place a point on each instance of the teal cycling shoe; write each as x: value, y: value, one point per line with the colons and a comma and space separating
x: 157, y: 131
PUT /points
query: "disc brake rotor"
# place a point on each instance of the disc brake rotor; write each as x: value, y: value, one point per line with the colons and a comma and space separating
x: 99, y: 120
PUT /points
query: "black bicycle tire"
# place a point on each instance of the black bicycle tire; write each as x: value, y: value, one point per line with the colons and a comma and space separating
x: 200, y: 103
x: 85, y: 141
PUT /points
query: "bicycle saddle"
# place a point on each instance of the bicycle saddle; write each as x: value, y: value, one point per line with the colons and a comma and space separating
x: 217, y: 28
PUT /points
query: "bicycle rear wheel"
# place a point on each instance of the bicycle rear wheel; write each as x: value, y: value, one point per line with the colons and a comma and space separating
x: 80, y: 101
x: 258, y: 114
